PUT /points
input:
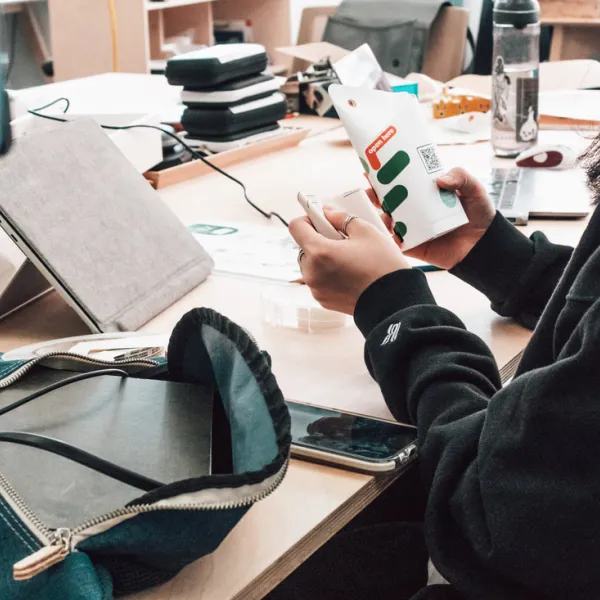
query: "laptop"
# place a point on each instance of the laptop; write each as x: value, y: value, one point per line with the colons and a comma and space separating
x: 93, y: 229
x: 521, y: 194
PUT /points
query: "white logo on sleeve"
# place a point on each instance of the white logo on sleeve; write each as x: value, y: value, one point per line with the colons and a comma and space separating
x: 392, y: 334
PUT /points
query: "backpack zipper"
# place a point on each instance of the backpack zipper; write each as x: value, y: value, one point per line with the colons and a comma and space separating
x: 45, y: 557
x: 59, y: 543
x: 56, y: 544
x: 23, y: 370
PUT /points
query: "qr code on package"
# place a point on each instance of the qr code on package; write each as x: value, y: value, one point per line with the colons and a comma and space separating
x: 430, y: 158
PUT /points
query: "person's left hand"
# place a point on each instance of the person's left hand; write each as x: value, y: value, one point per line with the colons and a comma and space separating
x: 338, y: 272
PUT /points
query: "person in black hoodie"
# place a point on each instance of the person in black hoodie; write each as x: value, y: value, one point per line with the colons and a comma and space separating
x: 511, y: 474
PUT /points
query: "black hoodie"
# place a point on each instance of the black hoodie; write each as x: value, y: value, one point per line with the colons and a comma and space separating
x: 512, y: 473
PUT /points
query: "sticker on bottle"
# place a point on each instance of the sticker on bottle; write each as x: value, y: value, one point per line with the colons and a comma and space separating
x: 527, y: 109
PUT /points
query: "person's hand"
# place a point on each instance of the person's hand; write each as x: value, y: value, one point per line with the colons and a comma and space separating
x: 338, y: 272
x: 447, y: 251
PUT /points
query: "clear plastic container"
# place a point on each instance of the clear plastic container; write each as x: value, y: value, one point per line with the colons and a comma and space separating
x: 293, y: 307
x: 515, y: 76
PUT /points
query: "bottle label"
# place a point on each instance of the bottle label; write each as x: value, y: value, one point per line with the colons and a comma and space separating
x: 527, y: 108
x: 500, y: 93
x: 515, y: 91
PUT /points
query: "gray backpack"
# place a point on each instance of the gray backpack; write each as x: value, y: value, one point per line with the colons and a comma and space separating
x: 396, y: 30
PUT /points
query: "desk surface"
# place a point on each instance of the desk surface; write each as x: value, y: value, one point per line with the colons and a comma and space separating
x: 275, y: 537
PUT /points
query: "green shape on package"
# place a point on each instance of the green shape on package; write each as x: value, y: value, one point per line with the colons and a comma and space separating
x: 365, y: 165
x: 448, y: 198
x: 400, y: 230
x: 393, y: 167
x: 394, y: 198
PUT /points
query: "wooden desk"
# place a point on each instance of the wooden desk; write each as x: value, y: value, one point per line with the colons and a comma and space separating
x: 574, y: 38
x: 314, y: 502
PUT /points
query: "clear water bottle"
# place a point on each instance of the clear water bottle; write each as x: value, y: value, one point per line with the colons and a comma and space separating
x: 515, y: 76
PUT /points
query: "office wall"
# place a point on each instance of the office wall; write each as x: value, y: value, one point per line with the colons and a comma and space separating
x: 474, y: 7
x: 297, y: 6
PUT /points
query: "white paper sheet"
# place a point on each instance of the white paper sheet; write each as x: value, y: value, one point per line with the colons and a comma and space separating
x: 571, y: 104
x: 264, y: 252
x: 250, y: 250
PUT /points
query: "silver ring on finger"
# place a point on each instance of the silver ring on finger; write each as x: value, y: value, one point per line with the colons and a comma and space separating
x: 347, y: 222
x: 300, y: 255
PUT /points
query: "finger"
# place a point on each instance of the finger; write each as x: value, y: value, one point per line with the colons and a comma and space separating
x: 373, y: 198
x: 353, y: 228
x: 388, y: 222
x: 304, y: 233
x: 459, y: 180
x: 387, y: 219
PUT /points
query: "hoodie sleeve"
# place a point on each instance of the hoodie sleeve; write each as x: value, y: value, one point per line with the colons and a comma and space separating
x: 518, y: 274
x: 512, y: 473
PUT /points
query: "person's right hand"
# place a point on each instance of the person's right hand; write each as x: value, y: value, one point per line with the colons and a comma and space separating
x: 447, y: 251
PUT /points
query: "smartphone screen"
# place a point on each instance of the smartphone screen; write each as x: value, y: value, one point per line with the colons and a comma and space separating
x: 348, y: 435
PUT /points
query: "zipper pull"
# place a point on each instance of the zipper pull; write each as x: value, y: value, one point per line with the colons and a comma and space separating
x: 45, y: 557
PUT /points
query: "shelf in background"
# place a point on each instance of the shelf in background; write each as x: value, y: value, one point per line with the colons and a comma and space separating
x: 166, y: 4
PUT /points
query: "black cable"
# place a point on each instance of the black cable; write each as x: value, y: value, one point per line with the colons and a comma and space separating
x: 48, y: 444
x: 58, y: 384
x: 193, y: 152
x: 13, y: 46
x: 68, y: 105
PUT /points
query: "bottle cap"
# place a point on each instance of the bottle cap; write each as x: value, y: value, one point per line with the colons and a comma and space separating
x: 518, y: 13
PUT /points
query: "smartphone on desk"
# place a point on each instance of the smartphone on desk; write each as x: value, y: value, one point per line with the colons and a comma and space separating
x: 351, y: 441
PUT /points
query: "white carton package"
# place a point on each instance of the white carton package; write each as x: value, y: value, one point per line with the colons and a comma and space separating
x: 396, y: 149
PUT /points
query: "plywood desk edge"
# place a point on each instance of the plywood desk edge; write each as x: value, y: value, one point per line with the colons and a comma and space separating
x: 288, y: 562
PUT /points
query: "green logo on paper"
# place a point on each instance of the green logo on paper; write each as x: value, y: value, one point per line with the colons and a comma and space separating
x: 398, y: 194
x: 400, y: 229
x: 448, y: 198
x: 387, y: 173
x: 365, y: 165
x: 204, y: 229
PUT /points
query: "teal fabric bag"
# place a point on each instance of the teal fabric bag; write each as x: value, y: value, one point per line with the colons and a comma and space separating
x: 155, y: 534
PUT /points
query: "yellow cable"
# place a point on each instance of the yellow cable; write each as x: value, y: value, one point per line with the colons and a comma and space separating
x: 113, y: 30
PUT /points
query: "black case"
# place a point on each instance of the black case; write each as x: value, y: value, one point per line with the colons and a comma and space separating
x: 209, y: 67
x: 231, y: 93
x: 234, y: 137
x: 200, y: 122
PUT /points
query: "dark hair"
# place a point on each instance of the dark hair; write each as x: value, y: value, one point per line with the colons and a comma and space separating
x: 590, y: 161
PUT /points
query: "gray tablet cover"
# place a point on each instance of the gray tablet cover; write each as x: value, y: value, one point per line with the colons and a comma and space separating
x: 110, y: 241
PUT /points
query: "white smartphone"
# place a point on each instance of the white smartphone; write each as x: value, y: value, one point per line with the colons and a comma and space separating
x: 314, y: 210
x: 356, y: 202
x: 351, y: 441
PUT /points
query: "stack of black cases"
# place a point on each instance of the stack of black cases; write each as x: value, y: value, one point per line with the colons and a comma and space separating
x: 229, y: 99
